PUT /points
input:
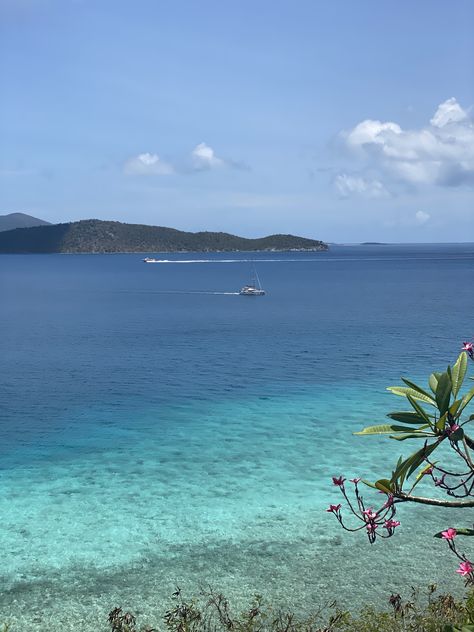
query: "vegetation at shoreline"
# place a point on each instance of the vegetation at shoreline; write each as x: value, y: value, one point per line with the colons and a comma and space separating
x: 97, y: 236
x: 211, y: 612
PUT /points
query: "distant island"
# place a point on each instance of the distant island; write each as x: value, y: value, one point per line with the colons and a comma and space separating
x: 97, y: 236
x: 20, y: 220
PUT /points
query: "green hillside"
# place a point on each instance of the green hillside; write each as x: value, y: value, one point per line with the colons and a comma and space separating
x: 95, y: 236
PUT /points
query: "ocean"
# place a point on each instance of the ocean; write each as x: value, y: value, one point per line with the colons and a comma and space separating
x: 157, y: 429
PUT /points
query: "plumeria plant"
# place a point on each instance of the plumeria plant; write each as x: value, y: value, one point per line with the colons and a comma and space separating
x: 437, y: 416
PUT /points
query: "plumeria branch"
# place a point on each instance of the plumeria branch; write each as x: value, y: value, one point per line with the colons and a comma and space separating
x: 445, y: 425
x: 465, y: 569
x: 436, y: 502
x: 371, y: 519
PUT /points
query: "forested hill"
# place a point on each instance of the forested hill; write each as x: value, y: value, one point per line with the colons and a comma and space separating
x: 94, y: 236
x: 20, y: 220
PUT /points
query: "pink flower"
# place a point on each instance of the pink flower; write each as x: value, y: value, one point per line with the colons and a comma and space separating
x: 440, y: 481
x: 388, y: 502
x: 334, y: 508
x: 391, y: 524
x: 355, y: 480
x: 449, y: 534
x: 369, y: 514
x: 371, y: 527
x: 465, y: 568
x: 338, y: 481
x: 452, y: 429
x: 468, y: 347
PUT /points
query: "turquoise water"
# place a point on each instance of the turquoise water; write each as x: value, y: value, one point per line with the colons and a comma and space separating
x: 157, y: 429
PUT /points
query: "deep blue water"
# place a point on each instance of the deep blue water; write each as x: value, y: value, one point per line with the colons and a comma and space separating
x: 158, y: 428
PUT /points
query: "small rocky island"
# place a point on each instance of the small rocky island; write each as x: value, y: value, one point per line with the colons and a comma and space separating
x: 97, y: 236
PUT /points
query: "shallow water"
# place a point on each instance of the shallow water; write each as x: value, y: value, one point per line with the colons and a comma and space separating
x: 157, y: 429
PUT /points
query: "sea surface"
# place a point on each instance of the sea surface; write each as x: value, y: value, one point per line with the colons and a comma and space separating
x: 157, y: 429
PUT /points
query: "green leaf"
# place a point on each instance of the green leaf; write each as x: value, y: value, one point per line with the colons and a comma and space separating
x: 458, y: 531
x: 416, y: 388
x: 418, y: 408
x: 441, y: 423
x: 421, y: 456
x: 407, y: 418
x: 420, y: 475
x: 393, y: 480
x: 383, y: 429
x: 403, y: 391
x: 458, y: 372
x: 407, y: 467
x: 466, y: 399
x: 433, y: 381
x: 412, y: 435
x: 453, y: 409
x: 384, y: 485
x: 443, y: 393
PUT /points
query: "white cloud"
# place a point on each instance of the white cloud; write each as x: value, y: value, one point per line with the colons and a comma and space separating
x: 441, y: 153
x: 348, y: 185
x: 147, y: 164
x: 203, y: 157
x: 448, y: 112
x: 421, y: 217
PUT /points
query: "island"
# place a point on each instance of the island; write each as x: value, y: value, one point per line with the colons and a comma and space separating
x: 98, y: 236
x: 20, y: 220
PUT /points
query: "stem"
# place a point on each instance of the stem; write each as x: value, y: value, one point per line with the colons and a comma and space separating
x: 466, y: 448
x: 469, y: 441
x: 465, y: 457
x: 402, y: 496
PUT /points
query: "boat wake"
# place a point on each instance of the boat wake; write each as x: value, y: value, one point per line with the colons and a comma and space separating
x: 208, y: 260
x: 209, y: 293
x: 162, y: 261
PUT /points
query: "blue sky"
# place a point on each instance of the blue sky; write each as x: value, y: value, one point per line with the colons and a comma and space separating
x: 345, y: 121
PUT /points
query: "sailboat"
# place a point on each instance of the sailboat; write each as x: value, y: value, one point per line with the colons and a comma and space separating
x: 254, y: 288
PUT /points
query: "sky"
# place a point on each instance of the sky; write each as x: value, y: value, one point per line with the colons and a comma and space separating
x: 339, y: 120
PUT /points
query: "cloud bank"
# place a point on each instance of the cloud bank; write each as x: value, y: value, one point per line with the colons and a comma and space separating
x: 348, y: 185
x: 441, y: 153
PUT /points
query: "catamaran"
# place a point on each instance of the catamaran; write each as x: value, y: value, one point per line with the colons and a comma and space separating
x: 254, y: 288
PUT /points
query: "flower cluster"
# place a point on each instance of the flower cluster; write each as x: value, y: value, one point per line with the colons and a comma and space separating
x: 465, y: 569
x: 468, y: 347
x: 375, y: 522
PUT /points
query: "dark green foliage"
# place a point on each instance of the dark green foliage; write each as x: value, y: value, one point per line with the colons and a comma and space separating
x: 96, y: 236
x: 212, y: 613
